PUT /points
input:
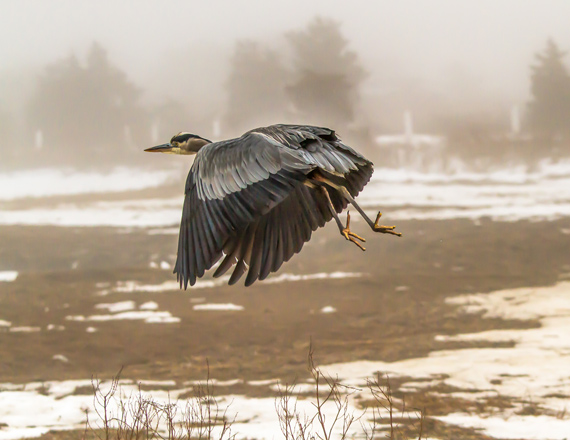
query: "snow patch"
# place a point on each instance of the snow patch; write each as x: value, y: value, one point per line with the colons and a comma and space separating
x: 134, y: 286
x: 218, y: 307
x: 25, y: 329
x: 121, y: 306
x: 52, y: 182
x: 506, y: 195
x: 314, y: 276
x: 8, y: 275
x: 150, y: 305
x: 513, y: 427
x: 144, y: 315
x: 535, y: 368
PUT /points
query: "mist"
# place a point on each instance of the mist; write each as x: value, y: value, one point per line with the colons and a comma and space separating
x: 448, y: 63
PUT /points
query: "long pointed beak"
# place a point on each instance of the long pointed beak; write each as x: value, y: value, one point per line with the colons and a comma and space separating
x: 164, y: 148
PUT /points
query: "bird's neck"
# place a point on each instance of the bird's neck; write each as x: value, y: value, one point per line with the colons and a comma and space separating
x: 195, y: 144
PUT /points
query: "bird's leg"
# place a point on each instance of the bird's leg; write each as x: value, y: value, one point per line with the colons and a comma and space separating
x: 344, y: 231
x: 384, y: 229
x: 373, y: 225
x: 348, y: 234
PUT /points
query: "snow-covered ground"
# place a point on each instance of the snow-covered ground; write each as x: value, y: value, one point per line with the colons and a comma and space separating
x: 8, y: 275
x: 505, y: 195
x: 53, y: 182
x: 534, y: 370
x: 133, y: 286
x: 61, y: 407
x: 219, y: 307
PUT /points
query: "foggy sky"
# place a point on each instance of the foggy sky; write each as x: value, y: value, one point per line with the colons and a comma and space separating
x: 488, y: 41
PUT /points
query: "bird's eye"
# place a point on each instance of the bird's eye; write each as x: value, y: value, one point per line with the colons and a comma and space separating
x: 175, y: 143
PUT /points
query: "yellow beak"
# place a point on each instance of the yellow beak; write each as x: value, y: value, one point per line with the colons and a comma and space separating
x: 164, y: 148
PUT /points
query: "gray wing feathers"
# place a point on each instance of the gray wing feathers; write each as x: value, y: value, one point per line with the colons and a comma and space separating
x: 226, y: 167
x: 246, y: 198
x: 275, y: 237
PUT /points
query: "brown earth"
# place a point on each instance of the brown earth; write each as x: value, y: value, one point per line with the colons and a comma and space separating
x: 377, y: 317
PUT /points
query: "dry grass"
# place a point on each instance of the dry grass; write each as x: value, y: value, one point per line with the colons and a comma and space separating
x: 140, y: 417
x: 395, y: 414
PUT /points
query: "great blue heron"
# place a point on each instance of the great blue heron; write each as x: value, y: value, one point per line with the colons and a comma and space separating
x: 258, y: 198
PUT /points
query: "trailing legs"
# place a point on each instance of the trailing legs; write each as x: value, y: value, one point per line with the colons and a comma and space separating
x: 344, y: 231
x: 373, y: 225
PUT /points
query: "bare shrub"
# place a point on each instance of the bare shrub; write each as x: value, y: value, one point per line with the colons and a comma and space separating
x: 332, y: 398
x: 329, y: 414
x: 140, y: 417
x: 385, y: 412
x: 328, y: 393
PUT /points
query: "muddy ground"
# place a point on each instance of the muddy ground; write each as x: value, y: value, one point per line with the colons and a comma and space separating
x: 392, y: 312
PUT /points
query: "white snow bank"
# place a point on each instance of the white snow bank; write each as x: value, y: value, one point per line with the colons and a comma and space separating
x: 545, y: 169
x: 505, y: 195
x: 145, y: 315
x: 121, y: 306
x: 8, y: 275
x: 535, y: 368
x: 134, y: 286
x: 25, y: 329
x: 58, y: 408
x: 313, y: 276
x: 51, y: 182
x: 218, y: 307
x: 149, y: 305
x: 513, y: 427
x: 117, y: 214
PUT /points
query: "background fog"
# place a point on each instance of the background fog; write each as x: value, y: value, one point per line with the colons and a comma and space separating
x: 219, y: 68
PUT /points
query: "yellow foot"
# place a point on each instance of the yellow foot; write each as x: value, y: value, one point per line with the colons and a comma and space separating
x: 384, y: 229
x: 350, y: 236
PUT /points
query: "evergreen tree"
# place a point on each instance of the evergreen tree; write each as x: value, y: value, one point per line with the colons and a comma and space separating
x: 256, y: 87
x: 7, y: 134
x: 89, y: 108
x: 549, y: 108
x: 327, y: 74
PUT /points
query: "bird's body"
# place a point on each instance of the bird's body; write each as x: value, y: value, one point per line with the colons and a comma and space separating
x: 255, y: 200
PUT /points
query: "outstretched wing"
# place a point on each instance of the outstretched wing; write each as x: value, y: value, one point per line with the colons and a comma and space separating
x: 246, y: 198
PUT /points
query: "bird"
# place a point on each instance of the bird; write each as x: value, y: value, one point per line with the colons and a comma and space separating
x: 255, y: 200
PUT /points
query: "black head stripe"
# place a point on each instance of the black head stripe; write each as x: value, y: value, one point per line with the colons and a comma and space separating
x: 183, y: 137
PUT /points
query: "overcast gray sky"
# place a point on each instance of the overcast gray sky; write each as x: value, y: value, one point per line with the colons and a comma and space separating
x: 489, y: 40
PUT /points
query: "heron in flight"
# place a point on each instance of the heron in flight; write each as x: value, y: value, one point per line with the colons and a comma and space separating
x: 255, y: 200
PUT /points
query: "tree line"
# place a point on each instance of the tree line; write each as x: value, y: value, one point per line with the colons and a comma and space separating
x: 93, y: 108
x: 86, y: 111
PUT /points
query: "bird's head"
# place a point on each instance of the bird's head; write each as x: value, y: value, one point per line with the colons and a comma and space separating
x: 182, y: 143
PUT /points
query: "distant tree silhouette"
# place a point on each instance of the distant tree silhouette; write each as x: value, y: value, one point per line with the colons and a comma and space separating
x: 170, y: 117
x: 549, y: 108
x: 6, y: 126
x: 92, y: 107
x: 327, y: 74
x: 256, y: 86
x: 7, y: 134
